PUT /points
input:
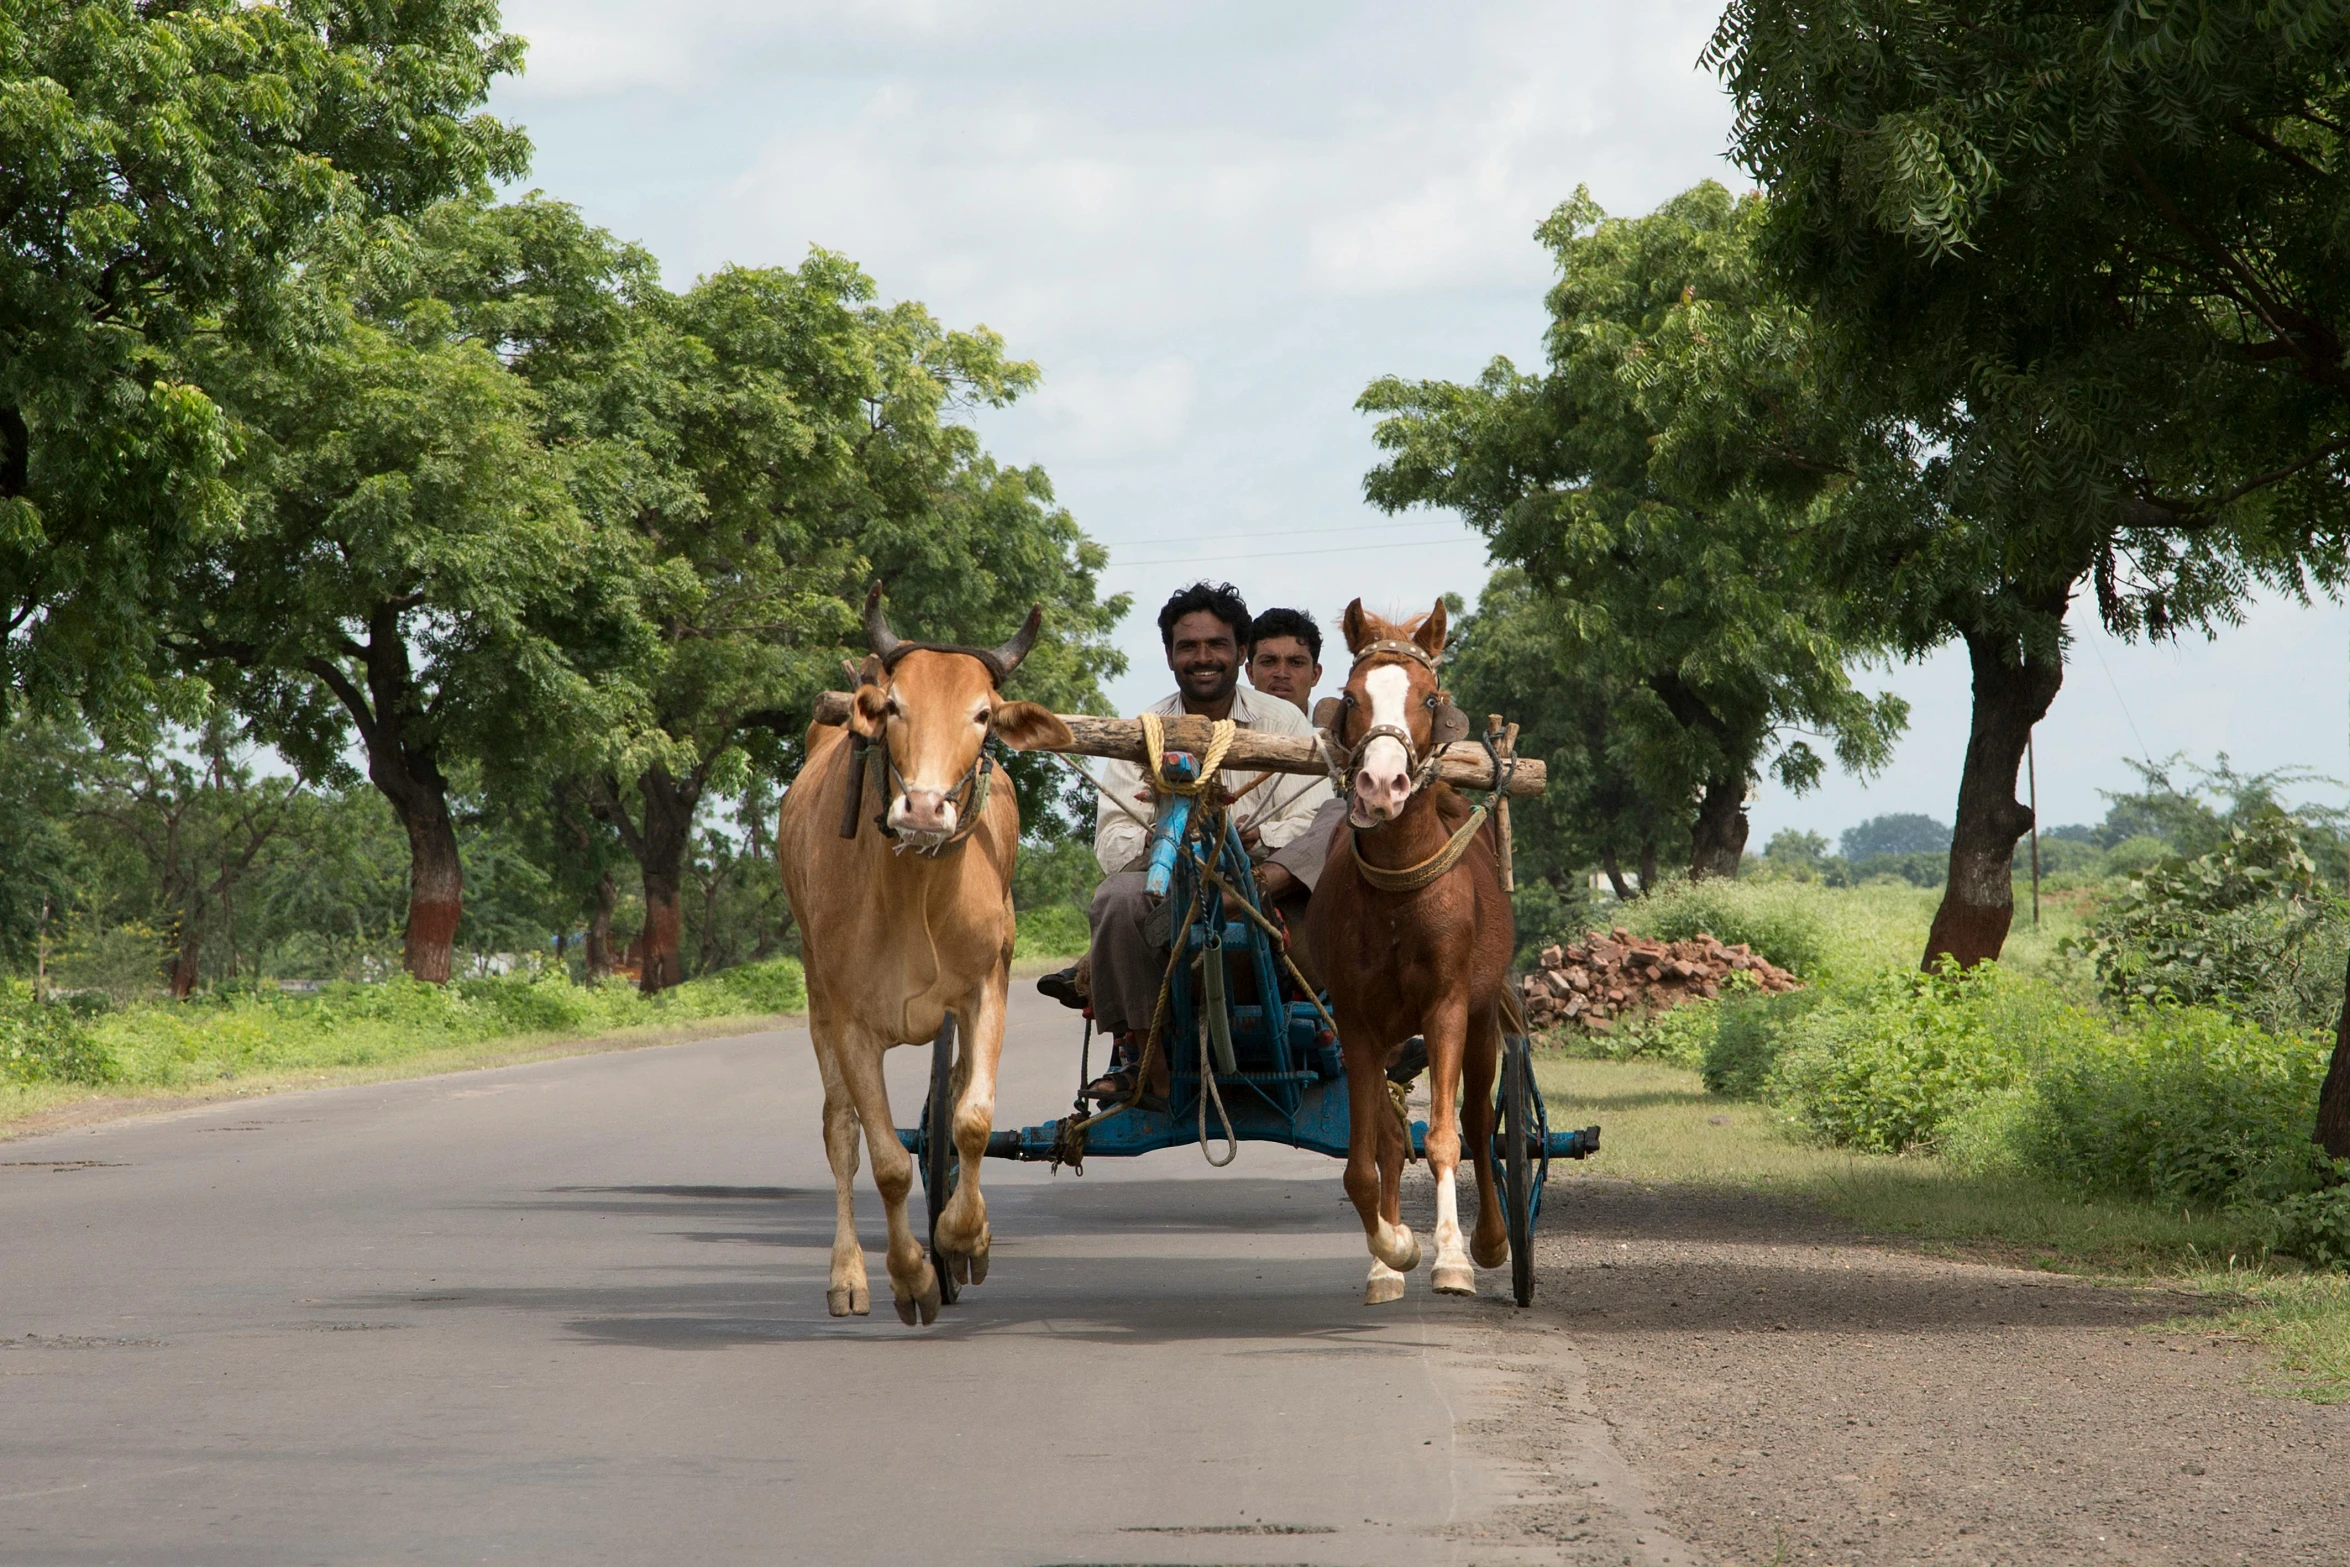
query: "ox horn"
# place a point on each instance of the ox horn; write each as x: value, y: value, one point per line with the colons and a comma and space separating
x: 1007, y: 656
x: 878, y: 636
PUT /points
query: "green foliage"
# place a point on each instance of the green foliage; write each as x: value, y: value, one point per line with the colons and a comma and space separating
x: 1052, y: 871
x: 1543, y: 914
x: 1739, y: 1052
x: 167, y: 165
x: 1801, y: 855
x: 1778, y: 921
x: 1051, y: 930
x: 46, y: 1042
x: 2245, y: 926
x: 2180, y: 1104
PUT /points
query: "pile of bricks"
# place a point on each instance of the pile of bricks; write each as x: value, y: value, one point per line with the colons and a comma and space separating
x: 1595, y: 982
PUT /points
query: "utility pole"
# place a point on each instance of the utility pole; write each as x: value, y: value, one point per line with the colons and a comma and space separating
x: 2032, y: 784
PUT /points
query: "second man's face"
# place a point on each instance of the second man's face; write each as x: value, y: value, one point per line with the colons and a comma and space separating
x: 1284, y: 667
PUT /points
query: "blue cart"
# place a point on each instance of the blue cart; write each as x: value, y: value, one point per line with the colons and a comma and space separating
x: 1251, y: 1060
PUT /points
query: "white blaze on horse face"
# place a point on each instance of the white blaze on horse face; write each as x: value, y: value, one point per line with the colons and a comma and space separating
x: 1383, y: 777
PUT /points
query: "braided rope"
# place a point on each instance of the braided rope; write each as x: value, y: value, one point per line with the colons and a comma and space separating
x: 1154, y: 746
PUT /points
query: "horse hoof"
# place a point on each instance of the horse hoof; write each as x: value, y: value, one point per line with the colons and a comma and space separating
x: 1454, y: 1278
x: 1412, y: 1253
x: 1381, y: 1288
x: 848, y: 1301
x: 1494, y: 1256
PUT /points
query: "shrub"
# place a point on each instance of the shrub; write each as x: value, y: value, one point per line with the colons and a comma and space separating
x: 2181, y: 1104
x: 42, y: 1042
x: 1054, y: 931
x: 778, y: 985
x: 1749, y: 1033
x: 1778, y: 920
x: 524, y: 1005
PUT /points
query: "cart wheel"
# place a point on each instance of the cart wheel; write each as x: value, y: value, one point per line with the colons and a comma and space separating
x: 940, y: 1167
x: 1519, y: 1149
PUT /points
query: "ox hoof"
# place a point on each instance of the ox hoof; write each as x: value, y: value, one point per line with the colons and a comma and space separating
x: 968, y: 1267
x: 1384, y: 1285
x: 1453, y: 1278
x: 923, y: 1303
x: 850, y: 1300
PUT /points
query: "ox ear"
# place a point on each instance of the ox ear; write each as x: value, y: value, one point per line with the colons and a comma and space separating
x: 1357, y: 626
x: 866, y: 712
x: 1430, y: 636
x: 1451, y: 723
x: 1326, y: 712
x: 1025, y: 726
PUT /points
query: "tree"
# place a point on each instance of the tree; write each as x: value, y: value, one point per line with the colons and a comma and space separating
x: 405, y: 543
x: 2083, y: 265
x: 1904, y: 832
x: 164, y: 165
x: 1648, y: 483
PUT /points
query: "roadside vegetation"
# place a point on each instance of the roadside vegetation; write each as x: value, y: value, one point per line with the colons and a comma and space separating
x: 2132, y: 1088
x: 242, y: 1039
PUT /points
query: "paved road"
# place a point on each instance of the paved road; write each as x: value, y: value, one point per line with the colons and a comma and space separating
x: 573, y: 1312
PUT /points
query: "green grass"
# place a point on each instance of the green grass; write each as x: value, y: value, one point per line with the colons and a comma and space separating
x: 257, y: 1041
x: 1053, y: 930
x: 2304, y: 1323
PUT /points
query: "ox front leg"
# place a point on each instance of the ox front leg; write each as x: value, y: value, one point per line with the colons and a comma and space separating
x: 963, y: 1236
x: 913, y: 1283
x: 848, y: 1294
x: 1453, y: 1274
x: 1395, y: 1251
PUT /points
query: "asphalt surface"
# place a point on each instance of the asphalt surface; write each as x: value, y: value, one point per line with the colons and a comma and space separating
x: 573, y: 1312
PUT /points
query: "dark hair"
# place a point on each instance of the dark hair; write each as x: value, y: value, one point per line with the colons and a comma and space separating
x: 1221, y: 600
x: 1288, y: 623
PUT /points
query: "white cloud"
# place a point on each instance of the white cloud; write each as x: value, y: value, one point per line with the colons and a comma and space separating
x: 1105, y: 414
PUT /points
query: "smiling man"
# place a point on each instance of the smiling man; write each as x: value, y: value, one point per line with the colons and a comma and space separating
x: 1206, y: 632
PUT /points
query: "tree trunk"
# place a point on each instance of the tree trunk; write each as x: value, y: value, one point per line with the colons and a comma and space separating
x: 1717, y: 841
x: 186, y: 950
x: 436, y: 892
x: 599, y: 930
x: 1647, y: 866
x: 2333, y: 1099
x: 660, y: 844
x: 1978, y: 902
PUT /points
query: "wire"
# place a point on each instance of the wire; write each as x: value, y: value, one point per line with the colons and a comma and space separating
x: 1337, y: 549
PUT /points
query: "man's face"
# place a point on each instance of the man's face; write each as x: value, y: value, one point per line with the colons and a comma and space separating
x: 1205, y: 657
x: 1283, y: 667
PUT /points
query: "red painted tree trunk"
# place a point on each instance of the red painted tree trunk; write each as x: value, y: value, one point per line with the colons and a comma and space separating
x: 1978, y: 902
x: 1718, y: 837
x: 436, y: 891
x: 659, y: 844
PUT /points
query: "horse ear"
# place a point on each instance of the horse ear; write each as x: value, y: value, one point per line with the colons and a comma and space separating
x: 1430, y: 636
x: 1326, y: 712
x: 1357, y: 627
x: 1451, y: 723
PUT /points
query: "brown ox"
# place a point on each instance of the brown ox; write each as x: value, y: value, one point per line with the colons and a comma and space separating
x: 1403, y: 959
x: 900, y: 927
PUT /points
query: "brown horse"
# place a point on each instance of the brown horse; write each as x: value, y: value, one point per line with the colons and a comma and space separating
x: 1411, y: 931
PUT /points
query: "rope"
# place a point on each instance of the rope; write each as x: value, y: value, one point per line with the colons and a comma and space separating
x: 1154, y: 745
x: 1413, y: 877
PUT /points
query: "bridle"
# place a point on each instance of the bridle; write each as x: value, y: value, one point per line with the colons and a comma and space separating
x: 973, y: 786
x: 1422, y: 762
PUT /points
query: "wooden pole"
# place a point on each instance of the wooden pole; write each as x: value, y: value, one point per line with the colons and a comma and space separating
x: 1463, y: 764
x: 1505, y: 742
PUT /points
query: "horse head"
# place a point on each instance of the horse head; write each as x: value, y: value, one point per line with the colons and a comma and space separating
x: 1394, y: 713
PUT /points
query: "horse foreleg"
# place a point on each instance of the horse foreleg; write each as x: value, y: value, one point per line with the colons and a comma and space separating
x: 1394, y: 1250
x: 913, y: 1283
x: 1445, y: 1031
x: 847, y: 1294
x: 963, y: 1236
x: 1489, y: 1244
x: 1385, y: 1283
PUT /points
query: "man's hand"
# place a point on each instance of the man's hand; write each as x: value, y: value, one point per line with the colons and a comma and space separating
x: 1274, y: 880
x: 1248, y: 837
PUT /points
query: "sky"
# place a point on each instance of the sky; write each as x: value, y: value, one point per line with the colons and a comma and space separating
x: 1211, y: 225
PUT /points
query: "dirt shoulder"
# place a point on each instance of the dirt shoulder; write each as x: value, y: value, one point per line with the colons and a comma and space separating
x: 1788, y: 1390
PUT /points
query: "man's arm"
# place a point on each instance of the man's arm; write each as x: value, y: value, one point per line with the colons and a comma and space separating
x: 1118, y: 838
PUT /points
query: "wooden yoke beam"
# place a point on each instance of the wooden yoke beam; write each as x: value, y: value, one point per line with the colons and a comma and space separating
x: 1463, y: 764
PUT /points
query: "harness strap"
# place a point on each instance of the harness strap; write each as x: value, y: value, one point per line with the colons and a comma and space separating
x: 1413, y: 877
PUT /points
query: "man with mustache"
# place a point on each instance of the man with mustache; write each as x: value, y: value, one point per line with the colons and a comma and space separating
x: 1205, y: 630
